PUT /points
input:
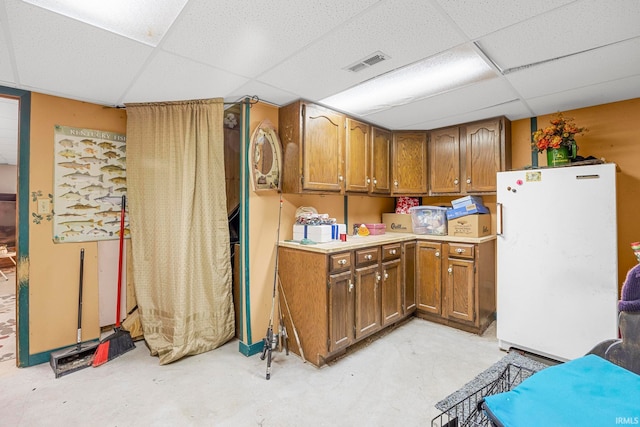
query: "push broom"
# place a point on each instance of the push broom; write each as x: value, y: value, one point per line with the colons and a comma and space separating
x: 120, y: 341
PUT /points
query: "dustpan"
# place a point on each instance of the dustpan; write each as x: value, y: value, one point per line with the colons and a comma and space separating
x: 80, y: 356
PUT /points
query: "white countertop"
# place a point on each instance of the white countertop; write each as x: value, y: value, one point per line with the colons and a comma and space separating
x: 355, y: 242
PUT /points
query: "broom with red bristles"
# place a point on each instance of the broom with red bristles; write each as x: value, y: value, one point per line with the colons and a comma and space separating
x: 120, y: 341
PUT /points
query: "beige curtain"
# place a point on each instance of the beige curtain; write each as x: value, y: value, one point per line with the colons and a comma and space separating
x: 179, y: 228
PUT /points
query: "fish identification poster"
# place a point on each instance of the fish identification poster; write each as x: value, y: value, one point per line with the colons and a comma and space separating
x: 89, y: 182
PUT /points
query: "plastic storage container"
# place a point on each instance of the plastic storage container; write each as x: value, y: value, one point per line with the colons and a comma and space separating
x: 429, y: 220
x: 376, y: 229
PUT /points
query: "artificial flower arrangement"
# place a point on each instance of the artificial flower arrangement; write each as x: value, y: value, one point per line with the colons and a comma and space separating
x: 561, y: 133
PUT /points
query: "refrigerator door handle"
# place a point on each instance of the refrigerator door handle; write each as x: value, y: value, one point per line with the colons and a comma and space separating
x: 499, y: 218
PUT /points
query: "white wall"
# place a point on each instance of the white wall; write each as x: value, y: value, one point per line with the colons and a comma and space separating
x: 8, y: 179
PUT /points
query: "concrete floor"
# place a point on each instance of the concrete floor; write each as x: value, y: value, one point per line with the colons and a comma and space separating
x: 396, y: 380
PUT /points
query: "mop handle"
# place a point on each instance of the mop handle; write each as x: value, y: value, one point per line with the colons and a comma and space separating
x: 124, y: 201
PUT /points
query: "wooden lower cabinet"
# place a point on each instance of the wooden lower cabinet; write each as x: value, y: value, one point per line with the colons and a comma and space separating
x: 409, y: 278
x: 456, y: 284
x: 340, y: 311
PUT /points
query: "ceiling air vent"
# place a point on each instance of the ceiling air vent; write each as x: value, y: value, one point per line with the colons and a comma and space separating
x: 369, y: 61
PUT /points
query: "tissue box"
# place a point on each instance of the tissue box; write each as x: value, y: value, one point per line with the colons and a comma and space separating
x: 337, y: 230
x: 397, y: 223
x: 466, y: 210
x: 467, y: 200
x: 470, y: 226
x: 429, y: 220
x: 317, y: 233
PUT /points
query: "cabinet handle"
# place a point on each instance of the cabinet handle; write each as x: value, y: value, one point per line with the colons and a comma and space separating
x: 395, y: 183
x: 392, y: 251
x: 456, y: 181
x: 340, y: 178
x: 450, y: 270
x: 386, y: 275
x: 342, y: 261
x: 437, y: 254
x: 468, y: 180
x: 368, y: 257
x: 460, y: 250
x: 377, y: 277
x: 368, y: 180
x: 350, y: 286
x: 375, y: 182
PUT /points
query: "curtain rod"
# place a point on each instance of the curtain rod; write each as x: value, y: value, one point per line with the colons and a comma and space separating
x: 246, y: 100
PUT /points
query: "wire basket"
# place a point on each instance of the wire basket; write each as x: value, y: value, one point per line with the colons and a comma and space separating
x: 468, y: 411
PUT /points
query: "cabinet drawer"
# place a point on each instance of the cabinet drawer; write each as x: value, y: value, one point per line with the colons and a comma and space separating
x: 340, y: 261
x: 461, y: 250
x: 367, y: 256
x: 390, y: 251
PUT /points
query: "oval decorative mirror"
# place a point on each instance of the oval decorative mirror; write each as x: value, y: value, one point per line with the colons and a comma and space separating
x: 265, y: 157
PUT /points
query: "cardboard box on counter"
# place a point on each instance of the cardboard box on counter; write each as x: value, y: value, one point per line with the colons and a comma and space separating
x: 466, y: 200
x: 397, y: 223
x: 475, y: 225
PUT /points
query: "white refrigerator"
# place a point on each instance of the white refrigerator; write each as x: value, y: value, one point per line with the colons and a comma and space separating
x: 557, y: 260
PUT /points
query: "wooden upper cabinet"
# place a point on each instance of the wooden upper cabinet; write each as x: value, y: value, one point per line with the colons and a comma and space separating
x: 357, y: 156
x: 484, y: 155
x: 409, y: 160
x: 313, y: 144
x: 444, y: 160
x: 380, y: 161
x: 465, y: 159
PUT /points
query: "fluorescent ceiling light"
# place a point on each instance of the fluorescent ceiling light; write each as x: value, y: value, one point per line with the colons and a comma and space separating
x: 146, y: 21
x: 449, y: 70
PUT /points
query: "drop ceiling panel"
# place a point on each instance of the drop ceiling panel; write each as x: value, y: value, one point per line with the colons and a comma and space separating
x: 602, y: 93
x: 513, y: 110
x: 171, y: 78
x: 265, y: 92
x: 56, y: 54
x: 579, y: 26
x: 470, y: 98
x: 247, y: 38
x: 478, y: 18
x: 609, y: 63
x: 6, y: 72
x: 405, y: 30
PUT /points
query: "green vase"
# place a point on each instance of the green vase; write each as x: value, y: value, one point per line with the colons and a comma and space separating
x: 558, y: 156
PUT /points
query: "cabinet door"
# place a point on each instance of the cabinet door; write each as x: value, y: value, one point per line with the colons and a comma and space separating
x: 323, y: 149
x: 367, y: 295
x: 409, y: 158
x: 409, y: 277
x: 483, y: 157
x: 444, y: 161
x: 357, y: 156
x: 340, y: 311
x: 391, y: 291
x: 429, y: 277
x: 460, y: 290
x: 380, y: 161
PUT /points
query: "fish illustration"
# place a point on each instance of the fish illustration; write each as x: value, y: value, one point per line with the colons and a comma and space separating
x: 80, y: 206
x: 122, y: 148
x: 66, y: 143
x: 88, y: 142
x: 114, y: 200
x: 111, y: 154
x: 83, y: 176
x: 90, y: 150
x: 126, y: 232
x: 82, y: 224
x: 118, y: 180
x: 120, y: 189
x: 92, y: 159
x: 106, y: 145
x: 69, y: 154
x: 68, y: 214
x: 73, y: 165
x: 113, y: 169
x: 97, y: 231
x: 122, y: 160
x: 71, y: 195
x: 71, y: 232
x: 108, y: 213
x: 113, y: 222
x: 66, y: 185
x: 96, y: 188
